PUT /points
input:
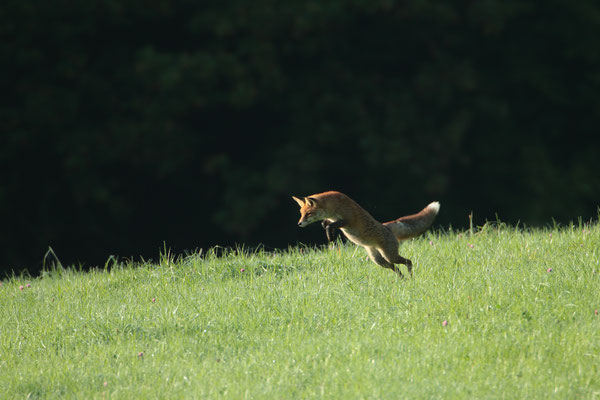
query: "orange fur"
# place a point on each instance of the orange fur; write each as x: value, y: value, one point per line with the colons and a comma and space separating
x: 380, y: 240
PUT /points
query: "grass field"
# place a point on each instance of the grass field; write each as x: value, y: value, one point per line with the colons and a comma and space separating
x: 501, y: 313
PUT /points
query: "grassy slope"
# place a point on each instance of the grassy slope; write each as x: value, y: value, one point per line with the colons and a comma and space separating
x: 318, y: 323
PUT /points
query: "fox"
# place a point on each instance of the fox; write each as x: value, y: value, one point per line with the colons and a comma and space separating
x: 381, y: 241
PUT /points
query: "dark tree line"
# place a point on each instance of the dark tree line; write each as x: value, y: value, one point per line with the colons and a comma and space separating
x: 127, y: 124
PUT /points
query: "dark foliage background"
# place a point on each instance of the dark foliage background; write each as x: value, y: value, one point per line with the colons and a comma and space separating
x: 128, y: 124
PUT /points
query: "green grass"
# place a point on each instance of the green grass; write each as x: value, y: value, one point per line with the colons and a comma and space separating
x: 317, y: 323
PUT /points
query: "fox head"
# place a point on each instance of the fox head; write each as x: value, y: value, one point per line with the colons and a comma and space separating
x: 309, y: 211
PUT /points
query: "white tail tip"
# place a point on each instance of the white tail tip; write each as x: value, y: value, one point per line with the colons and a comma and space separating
x: 434, y: 206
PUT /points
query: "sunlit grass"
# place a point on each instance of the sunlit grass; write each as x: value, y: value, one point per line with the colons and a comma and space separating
x: 520, y: 308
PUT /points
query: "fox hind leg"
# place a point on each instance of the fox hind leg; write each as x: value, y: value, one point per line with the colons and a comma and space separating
x: 388, y: 248
x: 378, y: 259
x: 390, y: 254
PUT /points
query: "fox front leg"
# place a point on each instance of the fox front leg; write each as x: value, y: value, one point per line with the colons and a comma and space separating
x: 328, y: 230
x: 331, y: 227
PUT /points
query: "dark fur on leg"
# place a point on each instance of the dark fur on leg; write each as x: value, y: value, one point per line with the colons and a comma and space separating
x: 331, y: 228
x: 378, y: 259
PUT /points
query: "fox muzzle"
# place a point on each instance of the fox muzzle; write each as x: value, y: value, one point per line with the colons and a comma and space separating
x: 304, y: 222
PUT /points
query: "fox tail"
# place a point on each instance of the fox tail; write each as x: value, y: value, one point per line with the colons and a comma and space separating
x: 413, y: 225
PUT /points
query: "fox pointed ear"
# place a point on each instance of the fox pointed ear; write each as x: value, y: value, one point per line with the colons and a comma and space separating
x: 299, y: 201
x: 311, y: 201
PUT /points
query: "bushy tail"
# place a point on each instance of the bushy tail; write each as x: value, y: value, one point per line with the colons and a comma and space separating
x: 413, y: 225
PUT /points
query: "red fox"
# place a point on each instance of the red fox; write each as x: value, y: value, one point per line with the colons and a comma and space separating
x: 336, y: 210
